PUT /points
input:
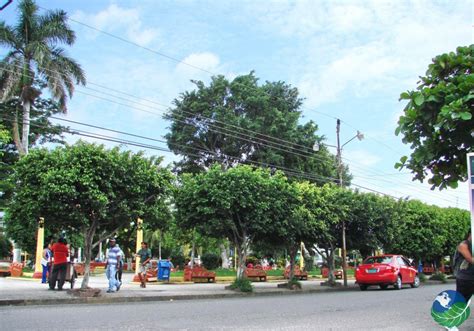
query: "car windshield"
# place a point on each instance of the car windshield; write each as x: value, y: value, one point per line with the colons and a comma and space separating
x: 378, y: 259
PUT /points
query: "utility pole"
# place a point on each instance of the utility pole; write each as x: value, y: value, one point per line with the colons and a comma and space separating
x: 339, y: 170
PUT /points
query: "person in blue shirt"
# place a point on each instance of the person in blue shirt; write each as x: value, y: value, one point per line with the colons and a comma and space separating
x: 114, y: 257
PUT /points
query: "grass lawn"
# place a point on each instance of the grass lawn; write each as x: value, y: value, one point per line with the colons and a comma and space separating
x: 277, y: 272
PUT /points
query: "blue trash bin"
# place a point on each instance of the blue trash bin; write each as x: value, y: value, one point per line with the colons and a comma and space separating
x: 164, y: 270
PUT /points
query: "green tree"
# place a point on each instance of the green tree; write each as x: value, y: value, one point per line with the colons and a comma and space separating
x: 5, y: 247
x: 239, y: 203
x: 438, y: 120
x: 236, y: 121
x: 418, y: 231
x: 328, y: 206
x: 34, y: 54
x: 42, y: 131
x: 85, y: 189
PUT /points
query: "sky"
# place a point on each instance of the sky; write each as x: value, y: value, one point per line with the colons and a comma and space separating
x: 349, y: 60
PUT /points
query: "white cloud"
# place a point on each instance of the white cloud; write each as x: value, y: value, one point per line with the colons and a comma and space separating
x: 362, y: 47
x: 206, y: 60
x: 115, y: 18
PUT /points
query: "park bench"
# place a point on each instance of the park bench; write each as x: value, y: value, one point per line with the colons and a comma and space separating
x: 298, y: 273
x: 256, y: 272
x: 197, y: 274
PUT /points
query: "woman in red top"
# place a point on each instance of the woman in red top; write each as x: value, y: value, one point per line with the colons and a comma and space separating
x: 60, y: 253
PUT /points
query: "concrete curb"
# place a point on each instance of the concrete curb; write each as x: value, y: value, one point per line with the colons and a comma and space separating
x: 111, y: 299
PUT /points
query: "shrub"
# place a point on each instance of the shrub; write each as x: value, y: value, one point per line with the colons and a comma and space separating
x: 294, y: 283
x: 243, y: 285
x: 308, y: 263
x: 178, y: 261
x: 422, y: 277
x: 252, y: 259
x: 210, y: 261
x: 439, y: 276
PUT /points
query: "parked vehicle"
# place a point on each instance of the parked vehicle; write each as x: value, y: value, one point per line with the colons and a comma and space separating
x: 385, y: 270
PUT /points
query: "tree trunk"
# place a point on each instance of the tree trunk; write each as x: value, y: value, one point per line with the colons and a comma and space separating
x: 159, y: 244
x: 242, y: 252
x: 87, y: 259
x: 224, y: 257
x: 293, y: 251
x: 25, y: 135
x: 331, y: 265
x: 88, y: 244
x: 193, y: 248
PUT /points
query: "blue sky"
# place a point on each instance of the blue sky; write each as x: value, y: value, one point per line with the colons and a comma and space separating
x: 349, y: 59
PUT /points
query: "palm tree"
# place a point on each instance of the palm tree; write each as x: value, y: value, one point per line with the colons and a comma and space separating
x: 33, y: 56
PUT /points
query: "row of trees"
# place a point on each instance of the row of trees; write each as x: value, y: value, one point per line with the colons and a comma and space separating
x: 92, y: 193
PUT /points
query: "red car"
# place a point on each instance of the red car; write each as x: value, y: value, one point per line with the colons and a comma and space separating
x: 386, y: 270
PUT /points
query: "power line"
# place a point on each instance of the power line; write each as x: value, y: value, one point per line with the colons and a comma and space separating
x: 218, y: 131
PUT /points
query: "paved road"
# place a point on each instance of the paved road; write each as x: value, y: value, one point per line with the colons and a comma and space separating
x: 408, y: 309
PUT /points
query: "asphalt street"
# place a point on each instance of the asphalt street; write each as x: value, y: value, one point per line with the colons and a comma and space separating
x: 408, y: 309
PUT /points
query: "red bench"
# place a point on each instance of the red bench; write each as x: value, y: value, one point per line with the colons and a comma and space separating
x: 256, y: 272
x: 297, y: 273
x: 199, y: 273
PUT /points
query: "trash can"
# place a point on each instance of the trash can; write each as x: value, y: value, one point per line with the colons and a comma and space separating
x: 164, y: 269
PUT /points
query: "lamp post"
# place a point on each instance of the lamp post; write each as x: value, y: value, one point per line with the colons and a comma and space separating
x: 339, y: 148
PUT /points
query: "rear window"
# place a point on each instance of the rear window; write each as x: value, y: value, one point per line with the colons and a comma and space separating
x: 378, y: 259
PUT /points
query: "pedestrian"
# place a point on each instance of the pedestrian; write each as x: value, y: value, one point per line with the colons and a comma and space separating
x: 120, y: 265
x: 465, y: 274
x: 60, y: 253
x: 145, y: 255
x: 113, y: 260
x: 46, y: 263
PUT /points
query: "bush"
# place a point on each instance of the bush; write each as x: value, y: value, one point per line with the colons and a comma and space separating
x: 5, y: 247
x: 210, y: 261
x: 294, y: 283
x: 243, y: 285
x: 439, y: 276
x: 308, y: 263
x: 252, y: 259
x: 178, y: 261
x: 422, y: 277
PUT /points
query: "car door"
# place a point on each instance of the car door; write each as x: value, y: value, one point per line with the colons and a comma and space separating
x: 404, y: 271
x: 411, y: 270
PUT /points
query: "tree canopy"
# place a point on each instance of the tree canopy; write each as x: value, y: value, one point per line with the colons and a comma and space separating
x: 438, y: 120
x: 240, y: 203
x: 85, y: 189
x: 242, y: 121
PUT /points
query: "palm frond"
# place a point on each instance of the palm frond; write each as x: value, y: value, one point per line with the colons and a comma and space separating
x: 53, y: 28
x: 7, y: 36
x: 27, y: 21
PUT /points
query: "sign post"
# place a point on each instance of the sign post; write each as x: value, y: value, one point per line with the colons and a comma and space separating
x: 470, y: 180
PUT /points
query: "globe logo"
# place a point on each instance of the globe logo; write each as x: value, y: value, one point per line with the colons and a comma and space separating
x: 450, y: 309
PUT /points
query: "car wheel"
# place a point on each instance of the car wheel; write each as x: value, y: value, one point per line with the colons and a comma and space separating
x: 383, y: 287
x: 398, y: 284
x: 363, y: 287
x: 416, y: 282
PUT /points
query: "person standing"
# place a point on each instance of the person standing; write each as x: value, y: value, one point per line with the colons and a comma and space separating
x: 145, y: 256
x: 46, y: 263
x: 465, y: 274
x: 60, y: 253
x: 120, y: 265
x: 114, y: 257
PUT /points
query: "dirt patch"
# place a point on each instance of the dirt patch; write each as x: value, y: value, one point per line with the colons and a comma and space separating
x: 85, y: 293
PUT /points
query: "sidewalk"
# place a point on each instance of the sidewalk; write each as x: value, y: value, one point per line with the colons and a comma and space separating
x: 16, y: 291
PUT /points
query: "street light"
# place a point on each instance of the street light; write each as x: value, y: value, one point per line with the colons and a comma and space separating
x: 359, y: 136
x: 316, y: 148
